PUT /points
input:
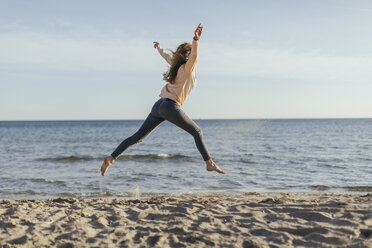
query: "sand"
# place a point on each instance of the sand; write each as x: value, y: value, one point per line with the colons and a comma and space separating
x: 191, y: 220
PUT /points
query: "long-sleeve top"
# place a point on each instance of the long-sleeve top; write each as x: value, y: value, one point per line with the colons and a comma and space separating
x: 185, y: 80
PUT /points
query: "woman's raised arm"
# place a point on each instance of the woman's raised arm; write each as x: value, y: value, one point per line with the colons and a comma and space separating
x: 165, y: 55
x: 190, y: 64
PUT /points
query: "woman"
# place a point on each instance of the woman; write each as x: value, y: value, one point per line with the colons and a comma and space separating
x: 181, y: 79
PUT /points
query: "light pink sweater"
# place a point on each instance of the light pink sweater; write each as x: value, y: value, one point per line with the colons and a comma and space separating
x: 186, y: 76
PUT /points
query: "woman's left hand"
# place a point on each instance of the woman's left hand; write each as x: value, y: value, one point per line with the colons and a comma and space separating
x: 198, y: 32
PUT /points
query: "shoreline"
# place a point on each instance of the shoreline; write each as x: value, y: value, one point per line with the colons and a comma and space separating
x: 191, y: 220
x: 137, y: 194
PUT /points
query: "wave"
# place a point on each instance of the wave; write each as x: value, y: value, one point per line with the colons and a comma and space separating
x: 347, y: 188
x: 247, y: 161
x: 359, y: 188
x: 320, y: 187
x: 333, y: 166
x: 66, y: 159
x: 22, y: 192
x: 147, y: 157
x: 155, y: 157
x: 47, y: 181
x: 106, y: 194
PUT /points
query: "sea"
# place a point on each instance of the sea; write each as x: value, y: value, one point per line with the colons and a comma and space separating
x: 62, y: 159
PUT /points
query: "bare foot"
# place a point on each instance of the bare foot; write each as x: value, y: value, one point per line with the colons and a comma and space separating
x: 106, y: 164
x: 211, y: 166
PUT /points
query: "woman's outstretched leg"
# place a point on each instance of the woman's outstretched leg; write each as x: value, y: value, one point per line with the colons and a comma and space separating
x: 148, y: 125
x: 173, y: 113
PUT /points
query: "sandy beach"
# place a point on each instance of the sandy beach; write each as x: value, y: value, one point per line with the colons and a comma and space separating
x: 190, y: 220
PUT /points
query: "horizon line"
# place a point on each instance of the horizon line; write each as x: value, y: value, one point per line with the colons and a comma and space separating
x: 275, y: 118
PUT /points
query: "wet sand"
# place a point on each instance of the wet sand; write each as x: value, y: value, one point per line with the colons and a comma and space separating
x: 190, y: 220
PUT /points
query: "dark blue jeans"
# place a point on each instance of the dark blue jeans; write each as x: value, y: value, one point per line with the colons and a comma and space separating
x: 165, y: 109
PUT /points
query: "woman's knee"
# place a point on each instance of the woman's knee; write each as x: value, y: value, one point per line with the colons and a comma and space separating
x: 197, y: 131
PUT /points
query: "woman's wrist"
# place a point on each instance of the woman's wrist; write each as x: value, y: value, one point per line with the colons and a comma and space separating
x: 195, y: 38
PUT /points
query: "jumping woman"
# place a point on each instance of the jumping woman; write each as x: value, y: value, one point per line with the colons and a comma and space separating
x: 181, y: 79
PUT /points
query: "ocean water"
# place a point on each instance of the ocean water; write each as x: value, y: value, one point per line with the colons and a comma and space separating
x: 50, y: 159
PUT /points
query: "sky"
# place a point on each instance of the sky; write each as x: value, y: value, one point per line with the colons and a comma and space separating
x: 94, y: 60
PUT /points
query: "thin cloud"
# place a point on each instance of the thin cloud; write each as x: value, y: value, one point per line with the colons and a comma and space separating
x: 274, y: 63
x: 354, y: 9
x: 115, y: 54
x: 38, y: 50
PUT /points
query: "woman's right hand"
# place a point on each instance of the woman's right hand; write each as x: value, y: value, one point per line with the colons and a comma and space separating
x: 198, y: 32
x: 156, y: 44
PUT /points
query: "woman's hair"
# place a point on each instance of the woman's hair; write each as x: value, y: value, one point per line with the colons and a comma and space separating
x: 179, y: 57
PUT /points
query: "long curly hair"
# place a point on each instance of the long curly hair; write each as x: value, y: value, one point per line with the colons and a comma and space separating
x: 179, y: 57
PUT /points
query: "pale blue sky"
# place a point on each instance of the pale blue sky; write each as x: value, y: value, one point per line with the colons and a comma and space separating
x: 80, y: 60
